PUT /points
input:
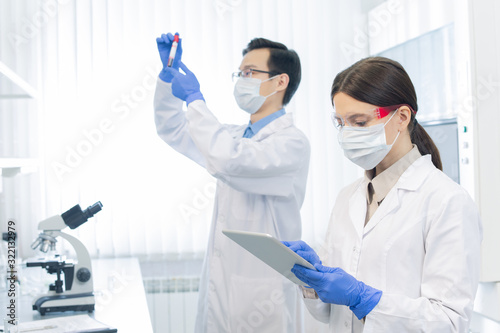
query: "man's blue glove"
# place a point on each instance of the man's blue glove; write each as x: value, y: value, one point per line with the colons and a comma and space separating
x: 164, y: 45
x: 185, y: 86
x: 334, y: 285
x: 303, y: 250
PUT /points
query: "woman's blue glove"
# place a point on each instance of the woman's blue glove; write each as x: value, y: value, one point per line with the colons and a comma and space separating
x: 164, y: 45
x: 185, y: 86
x: 334, y: 285
x: 303, y: 250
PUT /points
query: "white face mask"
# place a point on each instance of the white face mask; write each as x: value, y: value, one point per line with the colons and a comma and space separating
x: 365, y: 147
x: 247, y: 94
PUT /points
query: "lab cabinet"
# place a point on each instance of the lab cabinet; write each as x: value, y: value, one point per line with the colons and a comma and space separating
x: 444, y: 133
x: 21, y: 120
x: 20, y: 151
x: 18, y: 118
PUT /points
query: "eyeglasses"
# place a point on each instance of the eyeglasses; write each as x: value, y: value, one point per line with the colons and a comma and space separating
x: 247, y: 73
x: 364, y: 119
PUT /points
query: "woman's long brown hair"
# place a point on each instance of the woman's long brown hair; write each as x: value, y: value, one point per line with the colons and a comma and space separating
x: 383, y: 82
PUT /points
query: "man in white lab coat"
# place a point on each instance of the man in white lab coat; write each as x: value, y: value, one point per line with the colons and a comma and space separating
x: 261, y: 170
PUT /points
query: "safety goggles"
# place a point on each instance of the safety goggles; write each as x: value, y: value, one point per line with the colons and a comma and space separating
x: 365, y: 118
x: 247, y: 73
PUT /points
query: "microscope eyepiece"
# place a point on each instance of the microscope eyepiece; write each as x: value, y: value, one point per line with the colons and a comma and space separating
x: 75, y: 217
x: 92, y: 210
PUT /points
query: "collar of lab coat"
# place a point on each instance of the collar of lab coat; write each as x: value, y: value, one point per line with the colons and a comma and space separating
x: 273, y: 127
x: 410, y: 180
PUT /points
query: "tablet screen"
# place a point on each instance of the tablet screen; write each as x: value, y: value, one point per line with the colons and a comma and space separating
x: 271, y: 251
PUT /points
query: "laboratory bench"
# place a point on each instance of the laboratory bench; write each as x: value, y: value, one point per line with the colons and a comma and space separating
x: 120, y: 300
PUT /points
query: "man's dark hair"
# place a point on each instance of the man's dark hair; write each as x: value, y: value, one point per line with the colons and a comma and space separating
x: 281, y: 60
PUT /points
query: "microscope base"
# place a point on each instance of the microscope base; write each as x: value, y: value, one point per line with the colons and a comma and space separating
x: 62, y: 303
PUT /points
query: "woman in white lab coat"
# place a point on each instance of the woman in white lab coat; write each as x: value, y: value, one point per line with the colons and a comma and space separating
x: 402, y: 250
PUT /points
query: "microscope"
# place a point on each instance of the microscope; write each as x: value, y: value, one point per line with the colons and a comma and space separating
x: 77, y: 292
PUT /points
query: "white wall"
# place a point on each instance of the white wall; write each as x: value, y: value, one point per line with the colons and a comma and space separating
x: 484, y: 27
x: 485, y: 78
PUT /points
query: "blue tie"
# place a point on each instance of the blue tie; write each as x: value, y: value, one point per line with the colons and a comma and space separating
x: 248, y: 132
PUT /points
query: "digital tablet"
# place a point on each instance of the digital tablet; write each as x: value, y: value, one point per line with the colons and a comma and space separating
x: 271, y: 251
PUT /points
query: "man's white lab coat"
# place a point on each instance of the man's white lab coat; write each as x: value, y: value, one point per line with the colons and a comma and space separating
x: 261, y: 186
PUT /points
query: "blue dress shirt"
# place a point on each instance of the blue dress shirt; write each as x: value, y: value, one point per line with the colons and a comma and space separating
x: 252, y: 129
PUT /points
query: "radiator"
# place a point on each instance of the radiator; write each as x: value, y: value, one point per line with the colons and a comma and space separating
x: 172, y: 303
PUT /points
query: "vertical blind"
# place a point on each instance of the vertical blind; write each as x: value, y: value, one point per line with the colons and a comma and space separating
x: 99, y: 62
x: 20, y: 191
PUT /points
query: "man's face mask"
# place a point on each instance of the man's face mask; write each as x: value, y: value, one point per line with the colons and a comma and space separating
x: 247, y: 94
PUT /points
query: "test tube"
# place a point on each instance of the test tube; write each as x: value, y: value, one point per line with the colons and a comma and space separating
x: 173, y: 50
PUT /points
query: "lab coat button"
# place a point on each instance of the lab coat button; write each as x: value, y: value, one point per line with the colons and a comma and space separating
x: 217, y: 253
x: 212, y: 287
x: 346, y: 324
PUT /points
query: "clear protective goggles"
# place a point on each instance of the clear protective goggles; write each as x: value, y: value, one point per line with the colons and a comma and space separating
x: 365, y: 118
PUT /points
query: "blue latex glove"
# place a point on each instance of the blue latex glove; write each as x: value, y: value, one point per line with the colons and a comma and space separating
x: 334, y: 285
x: 303, y: 250
x: 185, y: 86
x: 164, y: 45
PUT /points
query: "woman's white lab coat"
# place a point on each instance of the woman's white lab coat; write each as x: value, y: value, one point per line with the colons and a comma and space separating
x: 261, y: 186
x: 421, y: 248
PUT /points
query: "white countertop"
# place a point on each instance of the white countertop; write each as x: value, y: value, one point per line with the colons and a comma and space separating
x: 120, y: 300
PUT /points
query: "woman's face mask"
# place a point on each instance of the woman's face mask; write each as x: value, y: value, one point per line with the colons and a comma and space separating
x: 247, y: 94
x: 365, y: 146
